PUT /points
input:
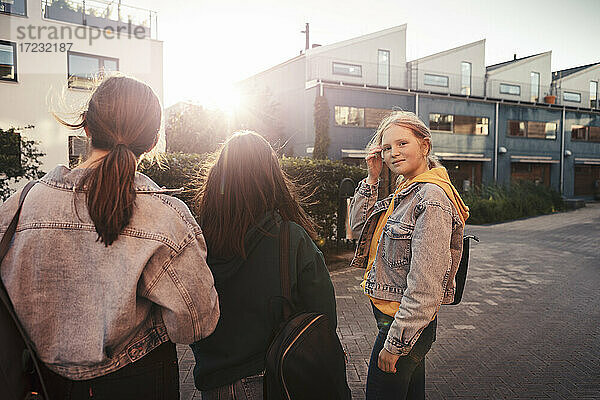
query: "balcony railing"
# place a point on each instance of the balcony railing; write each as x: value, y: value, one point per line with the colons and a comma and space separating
x: 104, y: 15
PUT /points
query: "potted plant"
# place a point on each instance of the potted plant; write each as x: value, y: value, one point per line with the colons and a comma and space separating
x: 549, y: 98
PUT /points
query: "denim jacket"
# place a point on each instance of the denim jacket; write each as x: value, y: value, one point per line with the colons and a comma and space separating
x: 91, y: 309
x: 417, y: 257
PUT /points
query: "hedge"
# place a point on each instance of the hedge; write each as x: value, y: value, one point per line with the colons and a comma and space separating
x: 495, y: 203
x: 318, y: 181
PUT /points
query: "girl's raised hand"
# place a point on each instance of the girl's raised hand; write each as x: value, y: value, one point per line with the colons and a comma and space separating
x: 374, y: 164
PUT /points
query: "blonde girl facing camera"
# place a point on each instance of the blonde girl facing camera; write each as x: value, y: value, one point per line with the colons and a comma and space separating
x: 410, y: 245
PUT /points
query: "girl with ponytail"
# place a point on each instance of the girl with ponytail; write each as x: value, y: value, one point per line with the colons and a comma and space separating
x: 106, y: 271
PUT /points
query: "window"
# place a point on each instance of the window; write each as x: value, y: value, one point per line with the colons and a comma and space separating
x: 572, y: 96
x: 535, y: 87
x: 359, y: 117
x: 383, y: 68
x: 349, y: 116
x: 532, y: 129
x: 465, y: 78
x: 505, y: 88
x: 84, y: 69
x: 459, y: 124
x: 77, y: 149
x: 347, y: 69
x: 436, y: 80
x: 15, y: 7
x: 466, y: 125
x: 585, y: 133
x: 373, y: 116
x: 593, y: 94
x: 441, y: 122
x: 8, y: 61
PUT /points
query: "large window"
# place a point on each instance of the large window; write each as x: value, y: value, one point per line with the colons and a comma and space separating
x: 506, y: 88
x: 8, y: 61
x: 459, y: 124
x: 436, y: 80
x: 593, y: 94
x: 359, y: 117
x: 535, y: 87
x: 465, y: 78
x: 347, y: 69
x: 572, y: 96
x: 349, y: 116
x: 15, y: 7
x: 532, y: 129
x: 585, y: 133
x: 383, y: 68
x: 84, y: 69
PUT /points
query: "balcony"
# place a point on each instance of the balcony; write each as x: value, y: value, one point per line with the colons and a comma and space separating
x: 103, y: 15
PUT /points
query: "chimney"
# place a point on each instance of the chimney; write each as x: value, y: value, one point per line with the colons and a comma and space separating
x: 515, y: 56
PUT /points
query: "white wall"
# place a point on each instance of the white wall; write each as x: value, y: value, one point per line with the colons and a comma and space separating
x: 42, y: 79
x: 578, y: 82
x: 361, y: 51
x: 519, y: 73
x: 448, y: 63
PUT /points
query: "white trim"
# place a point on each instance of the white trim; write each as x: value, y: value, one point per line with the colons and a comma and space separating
x: 534, y: 159
x: 589, y: 161
x: 353, y: 153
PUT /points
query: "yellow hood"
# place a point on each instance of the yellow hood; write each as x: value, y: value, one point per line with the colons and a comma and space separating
x: 439, y: 176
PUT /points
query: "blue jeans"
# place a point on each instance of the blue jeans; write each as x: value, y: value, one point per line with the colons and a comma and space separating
x: 248, y: 388
x: 408, y: 382
x: 153, y: 377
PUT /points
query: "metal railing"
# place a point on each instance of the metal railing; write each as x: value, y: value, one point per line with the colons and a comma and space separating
x: 103, y: 14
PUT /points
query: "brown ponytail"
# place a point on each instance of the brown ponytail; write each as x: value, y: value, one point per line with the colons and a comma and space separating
x: 123, y: 117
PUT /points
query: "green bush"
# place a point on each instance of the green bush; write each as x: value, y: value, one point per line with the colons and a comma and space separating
x: 318, y: 181
x: 494, y: 203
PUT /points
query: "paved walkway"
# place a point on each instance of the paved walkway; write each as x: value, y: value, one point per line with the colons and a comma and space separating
x: 528, y: 326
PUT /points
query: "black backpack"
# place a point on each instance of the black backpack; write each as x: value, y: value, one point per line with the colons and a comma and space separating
x: 305, y: 360
x: 20, y: 376
x: 461, y: 273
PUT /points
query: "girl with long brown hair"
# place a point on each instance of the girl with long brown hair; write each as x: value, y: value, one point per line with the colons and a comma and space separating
x: 241, y: 208
x: 106, y: 271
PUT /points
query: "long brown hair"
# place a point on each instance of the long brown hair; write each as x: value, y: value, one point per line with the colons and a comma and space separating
x: 123, y: 116
x: 244, y: 183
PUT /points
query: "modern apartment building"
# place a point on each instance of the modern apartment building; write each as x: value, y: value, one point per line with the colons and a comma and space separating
x: 52, y: 50
x: 490, y: 124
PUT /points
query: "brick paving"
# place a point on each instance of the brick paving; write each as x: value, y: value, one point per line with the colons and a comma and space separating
x: 528, y: 326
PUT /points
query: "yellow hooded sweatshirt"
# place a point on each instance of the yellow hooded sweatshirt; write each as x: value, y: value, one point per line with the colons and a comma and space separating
x: 438, y: 176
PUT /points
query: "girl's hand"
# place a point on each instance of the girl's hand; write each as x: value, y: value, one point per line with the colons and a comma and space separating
x: 374, y: 164
x: 387, y: 361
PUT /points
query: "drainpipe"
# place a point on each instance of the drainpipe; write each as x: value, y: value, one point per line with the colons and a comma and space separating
x: 417, y: 104
x: 496, y: 143
x: 562, y: 152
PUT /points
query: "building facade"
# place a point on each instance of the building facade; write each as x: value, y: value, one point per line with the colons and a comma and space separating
x: 51, y: 53
x: 494, y: 124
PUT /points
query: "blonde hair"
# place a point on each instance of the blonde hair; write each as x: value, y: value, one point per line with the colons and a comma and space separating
x: 410, y: 121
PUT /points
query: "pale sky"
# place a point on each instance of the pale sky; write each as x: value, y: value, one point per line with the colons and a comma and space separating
x: 209, y: 45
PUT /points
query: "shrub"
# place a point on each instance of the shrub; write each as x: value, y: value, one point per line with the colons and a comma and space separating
x: 318, y: 181
x: 495, y: 203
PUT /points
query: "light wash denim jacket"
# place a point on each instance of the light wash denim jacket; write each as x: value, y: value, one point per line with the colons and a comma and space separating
x: 91, y: 309
x: 417, y: 257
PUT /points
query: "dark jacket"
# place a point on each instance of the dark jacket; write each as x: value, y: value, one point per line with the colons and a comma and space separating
x: 246, y: 291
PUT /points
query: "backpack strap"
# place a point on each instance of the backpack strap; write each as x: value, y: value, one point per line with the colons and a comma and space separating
x: 284, y: 267
x: 4, y: 246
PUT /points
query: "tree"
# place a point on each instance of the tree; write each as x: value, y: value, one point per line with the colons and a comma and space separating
x: 321, y: 128
x: 194, y: 129
x: 262, y: 113
x: 19, y: 159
